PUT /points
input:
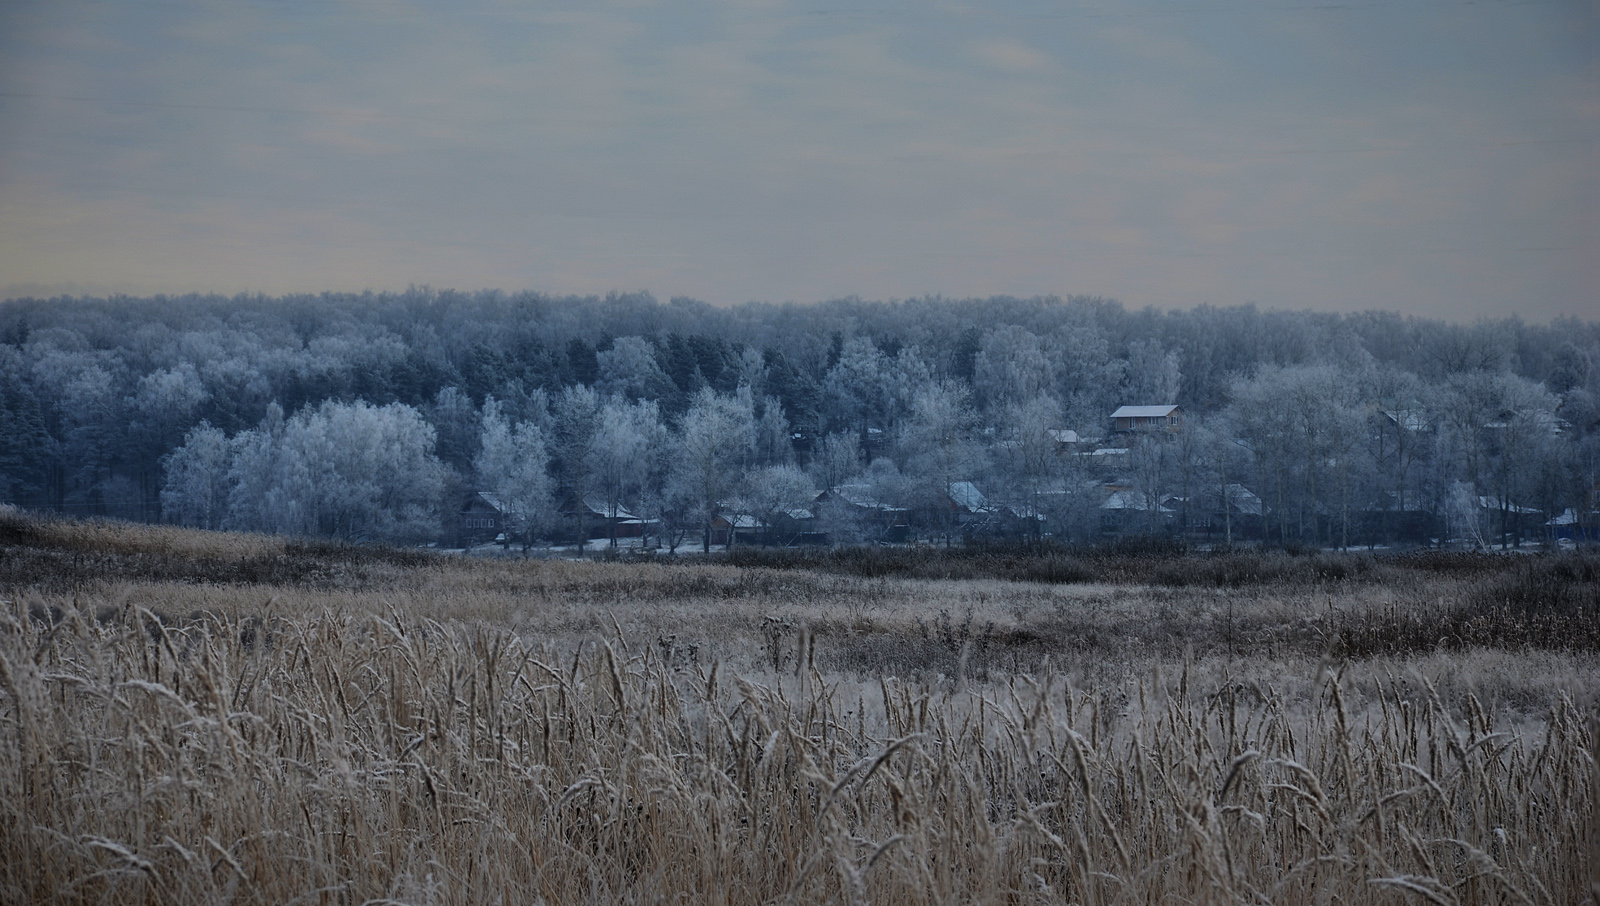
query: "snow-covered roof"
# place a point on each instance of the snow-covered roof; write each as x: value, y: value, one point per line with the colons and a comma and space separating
x: 1144, y: 411
x: 1024, y: 511
x: 1569, y: 516
x: 1064, y: 435
x: 1540, y: 418
x: 857, y: 495
x: 965, y: 494
x: 1409, y: 419
x: 598, y: 507
x: 1245, y: 501
x: 860, y: 495
x: 1490, y: 503
x: 1129, y: 500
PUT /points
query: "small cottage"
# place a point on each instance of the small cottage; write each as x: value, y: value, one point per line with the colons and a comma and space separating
x: 481, y: 519
x: 1145, y: 418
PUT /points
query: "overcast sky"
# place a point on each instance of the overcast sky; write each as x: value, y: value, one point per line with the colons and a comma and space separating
x: 1436, y: 158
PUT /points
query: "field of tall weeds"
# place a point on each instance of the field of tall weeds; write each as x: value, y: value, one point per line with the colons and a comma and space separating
x: 360, y: 726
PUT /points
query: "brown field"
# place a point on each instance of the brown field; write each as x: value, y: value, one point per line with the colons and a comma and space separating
x: 190, y: 718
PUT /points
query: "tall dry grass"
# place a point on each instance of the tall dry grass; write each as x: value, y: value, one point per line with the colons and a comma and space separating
x: 357, y: 759
x: 191, y: 718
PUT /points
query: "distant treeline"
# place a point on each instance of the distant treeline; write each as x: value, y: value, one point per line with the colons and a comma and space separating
x: 375, y: 415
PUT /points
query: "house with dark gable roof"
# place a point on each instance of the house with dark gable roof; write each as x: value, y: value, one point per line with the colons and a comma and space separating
x: 481, y: 519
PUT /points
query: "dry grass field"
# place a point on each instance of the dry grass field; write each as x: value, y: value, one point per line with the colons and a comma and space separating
x: 192, y: 718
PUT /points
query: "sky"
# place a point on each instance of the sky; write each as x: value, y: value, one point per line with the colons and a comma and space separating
x: 1429, y: 157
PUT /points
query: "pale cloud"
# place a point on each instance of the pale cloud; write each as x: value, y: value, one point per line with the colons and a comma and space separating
x: 1012, y: 57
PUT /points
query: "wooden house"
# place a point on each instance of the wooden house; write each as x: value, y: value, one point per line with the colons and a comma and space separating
x: 599, y: 521
x: 851, y: 512
x: 1066, y: 440
x: 1147, y: 418
x: 736, y: 528
x: 481, y: 519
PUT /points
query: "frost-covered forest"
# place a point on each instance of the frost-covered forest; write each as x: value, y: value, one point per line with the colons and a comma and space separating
x: 376, y: 416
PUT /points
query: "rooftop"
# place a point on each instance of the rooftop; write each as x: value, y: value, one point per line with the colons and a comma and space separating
x: 1144, y: 411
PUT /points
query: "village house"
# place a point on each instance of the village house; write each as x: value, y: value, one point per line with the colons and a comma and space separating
x: 599, y: 521
x: 735, y: 528
x: 481, y: 519
x: 1104, y: 459
x: 1579, y: 524
x: 1066, y: 440
x: 1144, y: 418
x: 967, y: 508
x: 786, y: 529
x: 1128, y: 511
x: 1409, y: 415
x: 851, y: 512
x: 1231, y: 514
x: 967, y: 500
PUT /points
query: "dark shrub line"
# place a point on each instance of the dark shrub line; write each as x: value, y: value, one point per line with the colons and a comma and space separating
x: 1154, y: 563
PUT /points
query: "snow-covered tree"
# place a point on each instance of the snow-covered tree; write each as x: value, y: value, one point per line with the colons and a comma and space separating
x: 1216, y: 463
x: 1522, y: 439
x: 94, y: 393
x: 1304, y: 426
x: 630, y: 369
x: 195, y: 491
x: 774, y: 494
x: 458, y: 427
x: 577, y: 422
x: 753, y: 370
x: 773, y: 444
x: 1153, y: 375
x: 1027, y: 456
x: 513, y: 465
x: 344, y: 470
x: 631, y: 445
x: 89, y: 419
x: 1150, y: 463
x: 887, y: 485
x: 859, y: 388
x: 837, y: 460
x: 868, y: 391
x: 1012, y: 367
x: 163, y: 407
x: 714, y: 440
x: 1397, y: 440
x: 937, y: 445
x: 25, y: 441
